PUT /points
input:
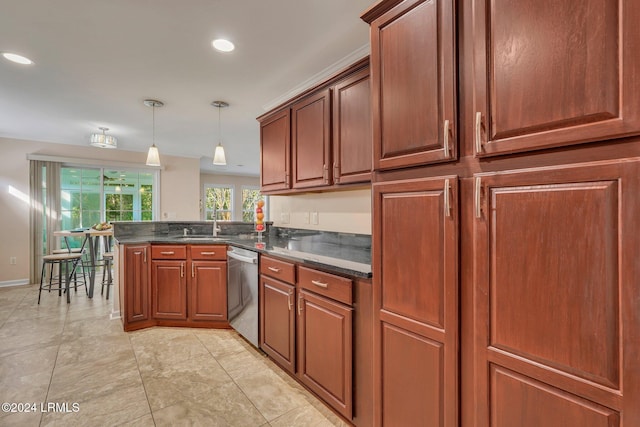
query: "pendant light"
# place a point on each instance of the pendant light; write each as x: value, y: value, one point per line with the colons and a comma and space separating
x: 153, y: 157
x: 219, y: 158
x: 102, y: 140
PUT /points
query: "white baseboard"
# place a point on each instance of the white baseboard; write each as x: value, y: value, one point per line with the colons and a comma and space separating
x: 19, y: 282
x: 115, y: 315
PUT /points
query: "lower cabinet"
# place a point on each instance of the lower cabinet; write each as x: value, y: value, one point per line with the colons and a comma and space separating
x: 325, y: 331
x: 277, y: 321
x: 169, y: 289
x: 135, y: 276
x: 208, y: 290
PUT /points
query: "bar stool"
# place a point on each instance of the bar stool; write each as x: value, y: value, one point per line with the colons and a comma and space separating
x: 107, y: 257
x: 67, y: 262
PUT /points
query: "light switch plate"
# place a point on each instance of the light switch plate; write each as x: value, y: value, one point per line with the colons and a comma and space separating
x: 314, y: 218
x: 305, y: 217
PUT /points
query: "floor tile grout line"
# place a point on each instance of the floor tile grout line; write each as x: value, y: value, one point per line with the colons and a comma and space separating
x: 146, y: 395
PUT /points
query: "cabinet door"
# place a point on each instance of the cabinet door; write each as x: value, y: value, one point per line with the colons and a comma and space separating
x: 413, y: 84
x: 352, y: 139
x: 136, y: 282
x: 208, y: 290
x: 325, y: 361
x: 311, y: 140
x: 169, y: 289
x: 275, y: 152
x: 556, y: 296
x: 415, y: 274
x: 277, y: 322
x: 554, y: 73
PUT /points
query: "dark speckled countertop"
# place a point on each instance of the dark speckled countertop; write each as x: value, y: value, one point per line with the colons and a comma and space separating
x: 342, y: 253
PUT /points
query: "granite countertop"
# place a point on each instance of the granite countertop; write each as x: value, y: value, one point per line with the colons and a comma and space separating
x: 335, y: 254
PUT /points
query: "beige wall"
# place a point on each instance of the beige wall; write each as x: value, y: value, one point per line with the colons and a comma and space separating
x: 235, y: 181
x: 342, y: 211
x: 179, y: 193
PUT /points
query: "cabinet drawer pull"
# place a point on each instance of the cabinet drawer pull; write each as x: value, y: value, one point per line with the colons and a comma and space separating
x: 207, y: 253
x: 477, y: 197
x: 182, y: 269
x: 167, y: 253
x: 447, y: 195
x: 320, y: 284
x: 447, y: 150
x: 478, y: 132
x: 274, y: 269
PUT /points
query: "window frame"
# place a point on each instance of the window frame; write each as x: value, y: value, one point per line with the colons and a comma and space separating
x: 231, y: 211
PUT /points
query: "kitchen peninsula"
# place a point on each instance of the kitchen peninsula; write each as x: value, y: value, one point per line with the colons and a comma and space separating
x: 315, y: 297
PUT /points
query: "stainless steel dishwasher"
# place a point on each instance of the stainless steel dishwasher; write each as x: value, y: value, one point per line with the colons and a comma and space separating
x: 242, y: 292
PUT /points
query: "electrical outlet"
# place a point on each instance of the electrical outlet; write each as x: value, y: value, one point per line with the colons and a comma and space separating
x: 284, y: 217
x: 314, y: 218
x: 13, y: 260
x: 306, y: 217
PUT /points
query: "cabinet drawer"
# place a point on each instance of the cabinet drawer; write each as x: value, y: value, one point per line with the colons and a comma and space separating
x: 282, y: 270
x: 212, y: 252
x: 169, y: 252
x: 329, y: 285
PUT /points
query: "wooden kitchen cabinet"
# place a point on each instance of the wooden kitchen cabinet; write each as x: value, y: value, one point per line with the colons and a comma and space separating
x: 413, y: 81
x: 352, y: 139
x: 207, y: 284
x: 278, y: 321
x: 415, y: 276
x: 325, y: 336
x: 136, y: 273
x: 169, y: 289
x: 556, y: 297
x: 311, y: 141
x: 275, y: 151
x: 208, y: 290
x: 553, y: 74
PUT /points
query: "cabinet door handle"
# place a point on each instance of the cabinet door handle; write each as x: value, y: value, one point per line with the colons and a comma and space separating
x: 286, y: 178
x: 289, y: 301
x: 167, y: 253
x: 300, y: 305
x: 477, y: 197
x: 193, y: 270
x: 447, y: 195
x: 275, y: 270
x: 207, y: 253
x: 320, y: 284
x: 145, y: 255
x: 182, y: 269
x: 325, y: 172
x: 478, y: 132
x: 447, y: 149
x: 336, y: 172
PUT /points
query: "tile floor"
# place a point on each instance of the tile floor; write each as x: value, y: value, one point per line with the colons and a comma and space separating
x: 73, y: 354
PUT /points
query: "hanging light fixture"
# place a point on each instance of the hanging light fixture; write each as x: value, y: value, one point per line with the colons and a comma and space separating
x: 219, y: 158
x: 153, y: 157
x: 103, y: 141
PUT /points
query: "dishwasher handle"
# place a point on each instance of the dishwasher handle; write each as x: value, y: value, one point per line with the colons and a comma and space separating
x: 252, y: 260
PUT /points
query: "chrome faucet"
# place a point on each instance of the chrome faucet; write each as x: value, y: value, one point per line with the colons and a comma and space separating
x: 185, y: 231
x: 216, y: 229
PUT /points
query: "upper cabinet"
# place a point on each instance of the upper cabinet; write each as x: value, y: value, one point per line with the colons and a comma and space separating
x: 352, y: 140
x: 275, y: 151
x: 413, y: 80
x: 320, y: 139
x: 554, y: 73
x: 311, y: 139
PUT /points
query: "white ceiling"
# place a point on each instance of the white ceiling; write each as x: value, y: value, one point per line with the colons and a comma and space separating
x: 97, y: 60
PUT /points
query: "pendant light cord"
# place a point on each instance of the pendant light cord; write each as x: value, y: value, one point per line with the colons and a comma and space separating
x: 219, y: 126
x: 153, y: 124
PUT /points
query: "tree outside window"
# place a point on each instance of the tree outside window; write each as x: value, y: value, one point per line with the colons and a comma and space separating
x: 219, y: 203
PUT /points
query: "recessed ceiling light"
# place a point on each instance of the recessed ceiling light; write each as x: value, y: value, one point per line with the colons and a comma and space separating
x: 18, y: 59
x: 223, y: 45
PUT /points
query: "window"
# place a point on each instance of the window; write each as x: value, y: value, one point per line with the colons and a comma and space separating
x: 218, y: 203
x: 250, y: 195
x: 92, y: 195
